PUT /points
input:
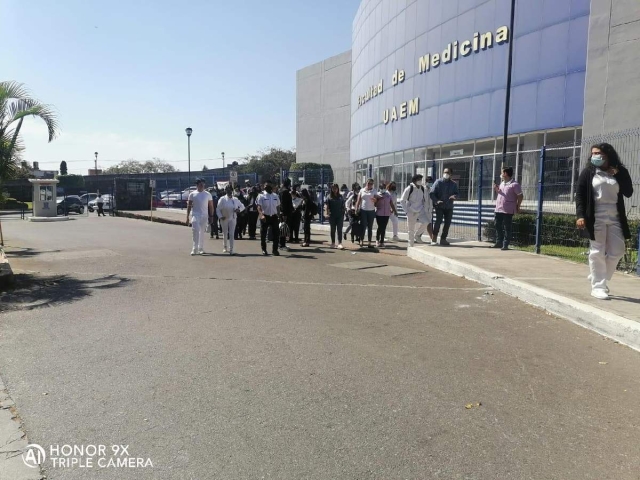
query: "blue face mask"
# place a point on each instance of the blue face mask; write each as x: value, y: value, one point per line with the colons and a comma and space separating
x: 597, y: 160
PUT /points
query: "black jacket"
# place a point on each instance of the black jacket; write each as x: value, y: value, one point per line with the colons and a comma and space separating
x: 586, y: 206
x: 286, y: 202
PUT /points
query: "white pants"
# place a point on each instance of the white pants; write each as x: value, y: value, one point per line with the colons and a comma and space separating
x: 608, y: 247
x: 228, y: 233
x: 198, y: 226
x: 412, y: 219
x: 394, y: 223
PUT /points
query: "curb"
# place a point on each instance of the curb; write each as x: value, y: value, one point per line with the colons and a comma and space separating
x: 608, y: 324
x: 6, y: 274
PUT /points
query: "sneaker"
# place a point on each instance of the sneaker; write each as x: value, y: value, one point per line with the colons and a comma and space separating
x: 444, y: 243
x: 600, y: 294
x: 276, y: 253
x: 224, y: 250
x: 377, y: 244
x: 381, y: 245
x: 419, y: 240
x: 231, y: 252
x: 333, y: 245
x: 504, y: 248
x: 434, y: 242
x: 193, y: 252
x: 396, y: 238
x: 496, y: 245
x: 264, y: 252
x: 201, y: 252
x: 340, y: 247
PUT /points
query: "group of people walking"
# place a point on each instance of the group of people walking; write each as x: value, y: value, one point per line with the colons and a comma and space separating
x: 602, y: 186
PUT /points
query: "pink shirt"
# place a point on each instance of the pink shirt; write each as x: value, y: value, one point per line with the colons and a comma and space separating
x: 507, y: 197
x: 383, y: 205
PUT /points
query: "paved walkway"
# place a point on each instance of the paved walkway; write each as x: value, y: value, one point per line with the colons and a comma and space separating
x: 557, y: 286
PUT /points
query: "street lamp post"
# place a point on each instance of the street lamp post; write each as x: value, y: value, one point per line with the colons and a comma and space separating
x: 505, y: 134
x: 189, y: 131
x: 95, y: 171
x: 223, y: 165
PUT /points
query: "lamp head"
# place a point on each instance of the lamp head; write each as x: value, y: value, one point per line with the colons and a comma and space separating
x: 189, y: 130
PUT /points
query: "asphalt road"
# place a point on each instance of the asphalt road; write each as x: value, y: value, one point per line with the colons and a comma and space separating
x: 249, y: 367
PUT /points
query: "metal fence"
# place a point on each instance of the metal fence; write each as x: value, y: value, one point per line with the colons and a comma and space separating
x: 548, y: 178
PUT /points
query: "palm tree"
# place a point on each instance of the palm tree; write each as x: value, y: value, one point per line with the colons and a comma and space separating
x: 15, y: 105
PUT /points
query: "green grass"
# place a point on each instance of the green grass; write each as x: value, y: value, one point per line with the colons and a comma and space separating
x: 580, y: 255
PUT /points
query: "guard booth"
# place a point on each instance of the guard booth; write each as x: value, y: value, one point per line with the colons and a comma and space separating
x: 45, y: 200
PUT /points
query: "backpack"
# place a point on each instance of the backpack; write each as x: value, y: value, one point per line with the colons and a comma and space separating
x: 411, y: 189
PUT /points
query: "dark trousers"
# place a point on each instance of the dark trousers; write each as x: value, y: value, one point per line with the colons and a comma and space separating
x: 272, y: 222
x: 447, y: 215
x: 504, y: 227
x: 367, y: 217
x: 336, y: 224
x: 382, y: 227
x: 296, y: 218
x: 101, y: 209
x: 241, y: 225
x: 307, y: 229
x: 253, y: 223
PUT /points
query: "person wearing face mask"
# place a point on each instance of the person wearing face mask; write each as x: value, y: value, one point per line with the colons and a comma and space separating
x: 601, y: 214
x: 384, y: 209
x: 508, y: 199
x: 366, y: 205
x: 416, y: 204
x: 200, y: 204
x: 268, y: 204
x: 352, y: 216
x: 443, y: 193
x: 252, y: 213
x: 392, y: 188
x: 228, y: 209
x: 334, y: 209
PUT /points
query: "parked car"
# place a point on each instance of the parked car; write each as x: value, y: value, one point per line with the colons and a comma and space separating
x: 87, y: 197
x: 156, y: 202
x: 106, y: 200
x: 178, y: 199
x: 71, y: 203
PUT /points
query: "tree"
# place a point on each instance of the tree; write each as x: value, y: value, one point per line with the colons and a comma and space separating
x: 204, y: 168
x: 133, y: 166
x: 15, y: 105
x: 63, y: 168
x: 268, y: 163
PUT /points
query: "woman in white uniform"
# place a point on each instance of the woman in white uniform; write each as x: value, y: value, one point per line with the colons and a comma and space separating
x: 600, y: 209
x: 228, y: 209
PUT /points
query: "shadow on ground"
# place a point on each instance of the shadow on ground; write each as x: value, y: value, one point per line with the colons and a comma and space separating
x: 23, y: 252
x: 29, y: 291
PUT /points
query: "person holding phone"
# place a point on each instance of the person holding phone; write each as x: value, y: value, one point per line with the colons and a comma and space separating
x: 508, y: 200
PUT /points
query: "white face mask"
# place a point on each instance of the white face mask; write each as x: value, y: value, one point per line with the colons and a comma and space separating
x: 446, y: 176
x: 418, y: 183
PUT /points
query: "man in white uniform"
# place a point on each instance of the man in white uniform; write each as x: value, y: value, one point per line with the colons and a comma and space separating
x: 417, y: 205
x: 268, y: 204
x: 200, y: 203
x: 228, y: 209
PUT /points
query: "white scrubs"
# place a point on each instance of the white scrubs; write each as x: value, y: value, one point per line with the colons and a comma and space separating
x: 199, y: 217
x: 608, y: 247
x: 227, y: 208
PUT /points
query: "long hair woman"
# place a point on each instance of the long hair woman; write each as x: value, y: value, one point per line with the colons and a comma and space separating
x: 367, y: 207
x: 602, y: 186
x: 334, y: 205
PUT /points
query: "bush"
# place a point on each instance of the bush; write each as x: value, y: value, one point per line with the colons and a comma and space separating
x: 9, y: 203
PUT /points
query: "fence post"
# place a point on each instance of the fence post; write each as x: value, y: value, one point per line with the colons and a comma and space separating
x: 481, y: 162
x: 638, y: 253
x: 320, y: 207
x: 543, y: 156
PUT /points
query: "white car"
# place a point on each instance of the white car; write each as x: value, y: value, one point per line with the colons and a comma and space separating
x: 178, y: 199
x: 107, y: 201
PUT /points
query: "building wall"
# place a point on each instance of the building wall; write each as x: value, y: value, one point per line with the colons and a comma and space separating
x: 613, y: 77
x: 464, y: 99
x: 323, y: 112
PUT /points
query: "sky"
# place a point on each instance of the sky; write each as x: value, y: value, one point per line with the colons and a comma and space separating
x: 126, y: 77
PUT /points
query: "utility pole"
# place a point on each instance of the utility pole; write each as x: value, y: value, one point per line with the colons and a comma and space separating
x: 95, y: 171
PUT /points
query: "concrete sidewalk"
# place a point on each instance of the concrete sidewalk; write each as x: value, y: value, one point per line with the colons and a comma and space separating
x: 557, y: 286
